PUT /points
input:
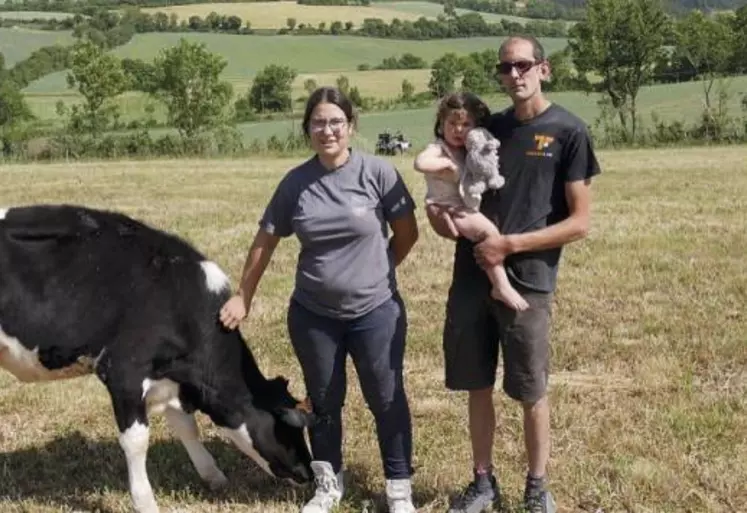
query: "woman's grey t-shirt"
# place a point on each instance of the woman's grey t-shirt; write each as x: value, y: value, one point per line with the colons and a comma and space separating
x: 340, y: 217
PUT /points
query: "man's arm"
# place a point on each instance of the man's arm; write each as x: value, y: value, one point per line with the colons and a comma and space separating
x: 493, y: 250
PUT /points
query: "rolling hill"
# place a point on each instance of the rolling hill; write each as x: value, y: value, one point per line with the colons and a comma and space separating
x: 307, y: 54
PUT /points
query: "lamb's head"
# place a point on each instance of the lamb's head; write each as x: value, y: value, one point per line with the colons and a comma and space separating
x: 482, y: 154
x: 476, y: 139
x: 480, y: 141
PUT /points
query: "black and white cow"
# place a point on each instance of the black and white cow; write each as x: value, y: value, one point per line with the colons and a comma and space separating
x: 87, y: 291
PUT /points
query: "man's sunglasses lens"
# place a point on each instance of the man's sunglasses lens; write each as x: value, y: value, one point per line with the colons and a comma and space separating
x: 504, y: 68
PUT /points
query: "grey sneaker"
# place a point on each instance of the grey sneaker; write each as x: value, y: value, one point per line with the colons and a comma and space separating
x: 329, y: 488
x: 476, y: 500
x: 399, y: 496
x: 540, y: 501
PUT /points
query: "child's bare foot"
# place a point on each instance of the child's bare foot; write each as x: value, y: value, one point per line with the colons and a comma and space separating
x: 510, y: 296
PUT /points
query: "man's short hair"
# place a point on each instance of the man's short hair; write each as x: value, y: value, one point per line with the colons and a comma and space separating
x: 538, y: 51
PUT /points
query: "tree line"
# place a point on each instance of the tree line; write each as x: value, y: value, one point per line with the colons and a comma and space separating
x: 90, y: 6
x: 621, y: 44
x: 448, y: 25
x: 624, y: 42
x: 541, y: 9
x: 334, y: 2
x: 675, y: 5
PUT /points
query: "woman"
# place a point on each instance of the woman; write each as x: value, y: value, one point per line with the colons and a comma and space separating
x: 341, y: 204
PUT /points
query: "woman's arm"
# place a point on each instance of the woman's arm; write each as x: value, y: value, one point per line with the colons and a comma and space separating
x: 236, y: 309
x: 404, y: 236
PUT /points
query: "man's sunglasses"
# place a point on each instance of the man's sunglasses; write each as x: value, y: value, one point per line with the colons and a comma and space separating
x: 504, y: 68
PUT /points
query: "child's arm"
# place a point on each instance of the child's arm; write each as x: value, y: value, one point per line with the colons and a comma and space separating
x: 433, y: 161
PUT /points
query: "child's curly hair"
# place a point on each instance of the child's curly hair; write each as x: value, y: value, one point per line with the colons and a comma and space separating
x: 470, y: 102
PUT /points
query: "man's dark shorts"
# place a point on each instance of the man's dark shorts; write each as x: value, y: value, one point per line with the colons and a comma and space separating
x: 478, y: 327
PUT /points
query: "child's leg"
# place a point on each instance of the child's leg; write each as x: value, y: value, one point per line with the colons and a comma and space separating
x: 476, y: 227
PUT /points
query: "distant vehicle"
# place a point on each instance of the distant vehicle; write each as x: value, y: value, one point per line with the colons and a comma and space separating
x: 388, y: 144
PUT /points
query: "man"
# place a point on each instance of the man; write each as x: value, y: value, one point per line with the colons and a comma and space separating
x: 547, y: 159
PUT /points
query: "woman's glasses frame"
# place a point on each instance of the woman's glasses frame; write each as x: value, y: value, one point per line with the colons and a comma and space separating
x: 336, y: 125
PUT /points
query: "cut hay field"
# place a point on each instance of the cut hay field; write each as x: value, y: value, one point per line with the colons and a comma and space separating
x: 433, y: 10
x: 17, y: 44
x: 649, y: 376
x: 246, y: 55
x: 275, y: 14
x: 377, y: 83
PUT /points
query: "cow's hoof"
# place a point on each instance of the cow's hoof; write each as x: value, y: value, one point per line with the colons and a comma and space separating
x: 217, y: 482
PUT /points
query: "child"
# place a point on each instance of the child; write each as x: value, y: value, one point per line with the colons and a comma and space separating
x: 442, y: 163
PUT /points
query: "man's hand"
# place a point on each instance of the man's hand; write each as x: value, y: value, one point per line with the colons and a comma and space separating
x: 441, y: 222
x: 492, y: 251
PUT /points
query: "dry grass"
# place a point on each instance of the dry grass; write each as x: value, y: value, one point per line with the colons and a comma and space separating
x: 650, y: 349
x: 376, y: 83
x: 275, y: 14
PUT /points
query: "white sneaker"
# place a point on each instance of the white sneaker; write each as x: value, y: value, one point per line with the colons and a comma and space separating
x: 399, y: 496
x: 329, y: 488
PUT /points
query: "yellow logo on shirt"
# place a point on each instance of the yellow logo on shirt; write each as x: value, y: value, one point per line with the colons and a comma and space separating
x: 542, y: 144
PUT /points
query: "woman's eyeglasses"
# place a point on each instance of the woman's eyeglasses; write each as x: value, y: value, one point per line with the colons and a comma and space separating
x: 335, y: 124
x: 505, y: 68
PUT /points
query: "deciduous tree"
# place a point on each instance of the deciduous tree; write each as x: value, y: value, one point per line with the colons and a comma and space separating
x: 188, y: 82
x: 99, y: 78
x: 271, y: 89
x: 444, y: 74
x: 708, y: 44
x: 621, y: 40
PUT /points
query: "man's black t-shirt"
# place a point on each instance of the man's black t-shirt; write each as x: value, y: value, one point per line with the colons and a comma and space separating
x: 537, y: 158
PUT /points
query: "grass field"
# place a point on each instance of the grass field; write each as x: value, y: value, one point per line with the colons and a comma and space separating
x: 34, y: 15
x: 276, y: 14
x: 649, y: 384
x: 377, y: 83
x: 683, y: 102
x: 246, y: 55
x: 17, y: 44
x: 433, y: 10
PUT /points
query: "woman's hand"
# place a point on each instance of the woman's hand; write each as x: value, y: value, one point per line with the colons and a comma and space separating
x: 233, y: 312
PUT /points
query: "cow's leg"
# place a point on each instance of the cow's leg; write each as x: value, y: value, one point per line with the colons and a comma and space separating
x: 130, y: 412
x: 185, y: 427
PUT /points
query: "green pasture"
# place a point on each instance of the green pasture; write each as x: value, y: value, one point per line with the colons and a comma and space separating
x: 17, y: 44
x: 34, y: 15
x: 674, y: 102
x: 246, y: 55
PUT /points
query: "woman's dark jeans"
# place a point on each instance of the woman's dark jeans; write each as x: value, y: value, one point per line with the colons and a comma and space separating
x: 376, y: 343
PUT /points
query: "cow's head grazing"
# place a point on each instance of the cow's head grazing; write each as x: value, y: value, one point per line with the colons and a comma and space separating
x: 277, y: 433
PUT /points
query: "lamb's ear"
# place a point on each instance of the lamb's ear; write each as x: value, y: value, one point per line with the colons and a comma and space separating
x: 300, y: 416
